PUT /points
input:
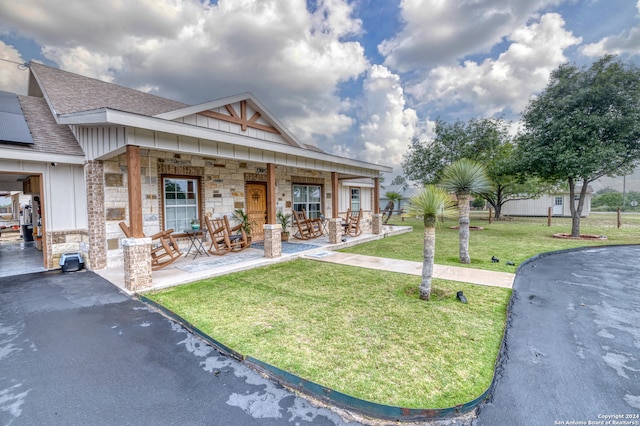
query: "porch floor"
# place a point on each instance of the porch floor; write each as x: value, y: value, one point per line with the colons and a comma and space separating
x: 187, y: 269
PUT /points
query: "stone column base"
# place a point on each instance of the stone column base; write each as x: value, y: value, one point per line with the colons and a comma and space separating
x: 272, y: 241
x: 335, y: 230
x: 137, y: 263
x: 376, y: 224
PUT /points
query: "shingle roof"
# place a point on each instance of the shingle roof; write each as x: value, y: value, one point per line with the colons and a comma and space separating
x: 71, y: 93
x: 48, y: 136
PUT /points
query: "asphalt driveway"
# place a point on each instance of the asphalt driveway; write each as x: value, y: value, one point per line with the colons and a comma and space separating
x: 573, y: 342
x: 75, y: 351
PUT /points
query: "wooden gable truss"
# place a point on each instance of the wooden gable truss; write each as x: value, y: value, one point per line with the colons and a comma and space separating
x: 241, y: 118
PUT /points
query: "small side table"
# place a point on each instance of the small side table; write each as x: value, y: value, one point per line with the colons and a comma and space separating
x: 324, y: 222
x: 196, y: 238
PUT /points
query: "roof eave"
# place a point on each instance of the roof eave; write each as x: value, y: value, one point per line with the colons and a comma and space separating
x: 106, y: 116
x: 41, y: 157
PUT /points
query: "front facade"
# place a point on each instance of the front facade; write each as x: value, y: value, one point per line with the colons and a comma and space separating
x: 156, y: 164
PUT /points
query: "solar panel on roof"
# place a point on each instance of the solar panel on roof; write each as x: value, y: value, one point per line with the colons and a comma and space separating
x: 13, y: 126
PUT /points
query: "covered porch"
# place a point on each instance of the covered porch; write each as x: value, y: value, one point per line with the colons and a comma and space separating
x: 190, y: 268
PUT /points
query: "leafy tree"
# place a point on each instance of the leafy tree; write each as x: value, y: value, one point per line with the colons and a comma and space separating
x: 429, y: 203
x: 610, y: 199
x: 484, y: 140
x: 478, y: 203
x: 607, y: 198
x: 584, y: 125
x: 465, y: 177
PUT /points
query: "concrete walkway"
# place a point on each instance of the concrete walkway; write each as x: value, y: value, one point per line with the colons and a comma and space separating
x: 454, y: 273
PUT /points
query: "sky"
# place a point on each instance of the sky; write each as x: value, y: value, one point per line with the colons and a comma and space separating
x: 358, y: 78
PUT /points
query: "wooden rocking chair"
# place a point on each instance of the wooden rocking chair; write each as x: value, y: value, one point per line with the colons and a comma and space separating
x: 224, y: 238
x: 164, y: 248
x: 307, y: 228
x: 352, y: 223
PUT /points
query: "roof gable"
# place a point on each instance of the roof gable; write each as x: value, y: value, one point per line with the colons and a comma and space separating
x: 243, y: 110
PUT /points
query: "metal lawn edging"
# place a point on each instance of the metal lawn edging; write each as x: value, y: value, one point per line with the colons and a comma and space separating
x: 330, y: 396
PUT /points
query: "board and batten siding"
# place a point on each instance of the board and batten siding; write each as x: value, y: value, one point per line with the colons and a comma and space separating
x: 540, y: 206
x: 64, y: 197
x: 344, y: 202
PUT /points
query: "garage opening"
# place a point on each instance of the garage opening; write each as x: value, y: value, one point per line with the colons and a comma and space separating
x: 21, y: 250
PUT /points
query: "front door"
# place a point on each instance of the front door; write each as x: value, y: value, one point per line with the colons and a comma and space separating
x: 557, y: 206
x: 257, y: 209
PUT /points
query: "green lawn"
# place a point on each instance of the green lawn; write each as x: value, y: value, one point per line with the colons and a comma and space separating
x: 510, y: 240
x: 365, y: 332
x: 362, y: 332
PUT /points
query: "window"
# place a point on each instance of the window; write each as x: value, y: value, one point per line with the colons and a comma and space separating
x: 181, y: 203
x: 355, y: 199
x: 308, y: 197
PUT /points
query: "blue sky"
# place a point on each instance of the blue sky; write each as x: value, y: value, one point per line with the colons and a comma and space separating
x: 360, y: 78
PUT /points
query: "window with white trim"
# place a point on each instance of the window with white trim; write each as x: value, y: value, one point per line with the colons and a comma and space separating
x: 181, y: 203
x: 308, y: 197
x: 355, y: 199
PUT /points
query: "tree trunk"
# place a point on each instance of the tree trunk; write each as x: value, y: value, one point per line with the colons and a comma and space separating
x: 463, y: 221
x: 389, y: 210
x: 576, y: 212
x: 427, y: 263
x: 499, y: 203
x: 497, y: 212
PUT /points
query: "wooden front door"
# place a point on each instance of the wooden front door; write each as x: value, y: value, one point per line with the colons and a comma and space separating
x: 257, y: 209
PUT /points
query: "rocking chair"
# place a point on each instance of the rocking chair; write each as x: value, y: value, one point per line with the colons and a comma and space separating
x: 224, y: 238
x: 307, y: 228
x: 352, y: 223
x: 164, y: 248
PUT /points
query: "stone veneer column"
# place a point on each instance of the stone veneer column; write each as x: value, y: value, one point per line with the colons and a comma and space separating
x: 272, y: 241
x: 335, y: 230
x: 97, y: 233
x: 137, y: 263
x: 376, y: 224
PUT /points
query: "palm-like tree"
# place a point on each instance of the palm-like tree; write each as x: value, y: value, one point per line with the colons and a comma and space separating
x: 392, y: 196
x: 429, y: 203
x: 465, y: 177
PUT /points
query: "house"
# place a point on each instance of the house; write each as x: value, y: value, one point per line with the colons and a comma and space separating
x: 95, y: 154
x: 557, y: 201
x: 406, y: 192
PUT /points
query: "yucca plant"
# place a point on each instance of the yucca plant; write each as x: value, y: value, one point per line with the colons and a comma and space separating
x: 465, y: 177
x: 429, y: 203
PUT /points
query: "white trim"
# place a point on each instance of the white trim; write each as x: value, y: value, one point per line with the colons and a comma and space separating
x: 219, y: 103
x: 358, y: 184
x: 194, y: 109
x: 43, y: 157
x: 107, y: 116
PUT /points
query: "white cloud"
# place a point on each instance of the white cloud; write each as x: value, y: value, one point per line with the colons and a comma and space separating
x: 439, y: 31
x: 387, y: 123
x: 507, y: 82
x: 627, y: 42
x: 13, y: 78
x: 291, y: 59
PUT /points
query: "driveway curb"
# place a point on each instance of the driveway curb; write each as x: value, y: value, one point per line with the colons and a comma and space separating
x: 332, y: 397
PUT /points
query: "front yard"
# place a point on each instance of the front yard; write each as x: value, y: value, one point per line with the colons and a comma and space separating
x: 362, y: 332
x: 365, y: 332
